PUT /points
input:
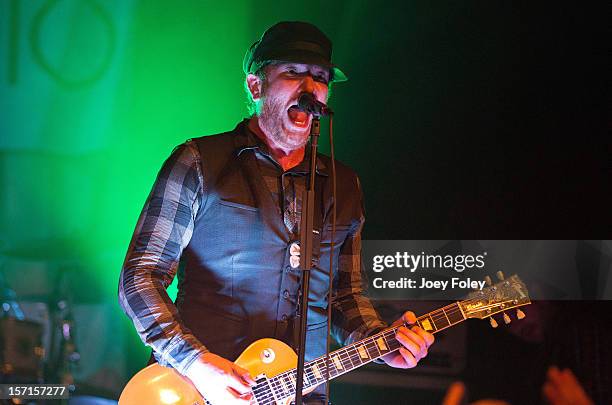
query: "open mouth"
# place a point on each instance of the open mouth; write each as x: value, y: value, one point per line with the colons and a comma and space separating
x: 297, y: 116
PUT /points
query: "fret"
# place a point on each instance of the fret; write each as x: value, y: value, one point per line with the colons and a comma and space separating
x: 458, y: 304
x: 279, y: 390
x: 444, y: 312
x: 382, y: 345
x: 356, y: 357
x: 283, y: 383
x: 291, y: 385
x: 341, y: 361
x: 353, y: 360
x: 363, y: 352
x: 292, y: 378
x: 371, y: 348
x: 333, y: 370
x: 455, y: 315
x: 439, y: 320
x: 337, y: 363
x: 446, y: 317
x: 346, y: 364
x: 275, y: 388
x: 323, y: 367
x: 345, y: 358
x: 316, y: 372
x: 394, y: 344
x: 427, y: 323
x: 374, y: 344
x: 306, y: 377
x: 389, y: 337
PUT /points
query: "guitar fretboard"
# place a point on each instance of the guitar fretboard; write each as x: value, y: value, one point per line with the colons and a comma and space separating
x: 362, y: 352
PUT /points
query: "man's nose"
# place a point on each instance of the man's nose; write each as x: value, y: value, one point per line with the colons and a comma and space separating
x: 308, y: 84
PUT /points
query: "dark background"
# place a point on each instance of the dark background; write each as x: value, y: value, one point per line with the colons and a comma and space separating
x: 485, y: 120
x: 477, y: 120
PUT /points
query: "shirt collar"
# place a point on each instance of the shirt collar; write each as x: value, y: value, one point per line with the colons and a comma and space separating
x: 245, y: 140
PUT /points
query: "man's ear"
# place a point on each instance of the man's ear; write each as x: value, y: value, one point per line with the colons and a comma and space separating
x: 254, y: 85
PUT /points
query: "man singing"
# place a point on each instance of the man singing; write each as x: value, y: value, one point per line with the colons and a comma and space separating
x: 228, y: 208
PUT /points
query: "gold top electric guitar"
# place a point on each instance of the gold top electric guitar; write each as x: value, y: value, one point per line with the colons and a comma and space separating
x: 273, y: 363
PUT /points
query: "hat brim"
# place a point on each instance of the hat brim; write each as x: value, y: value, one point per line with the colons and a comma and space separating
x: 302, y: 56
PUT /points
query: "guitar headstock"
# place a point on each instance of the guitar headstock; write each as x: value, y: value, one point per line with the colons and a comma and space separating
x: 507, y: 294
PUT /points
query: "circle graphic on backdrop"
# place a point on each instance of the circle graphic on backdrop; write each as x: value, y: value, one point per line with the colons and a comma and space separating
x: 88, y: 34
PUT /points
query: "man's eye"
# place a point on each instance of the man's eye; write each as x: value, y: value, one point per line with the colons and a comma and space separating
x: 321, y: 79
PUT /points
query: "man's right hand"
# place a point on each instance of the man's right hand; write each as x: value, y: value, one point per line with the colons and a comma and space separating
x: 220, y: 381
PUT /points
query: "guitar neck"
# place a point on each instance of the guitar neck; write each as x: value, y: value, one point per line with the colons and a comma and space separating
x: 364, y: 351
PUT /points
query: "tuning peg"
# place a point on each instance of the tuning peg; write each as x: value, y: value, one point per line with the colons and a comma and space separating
x: 520, y: 314
x: 507, y: 319
x: 488, y: 280
x: 493, y: 322
x: 500, y: 275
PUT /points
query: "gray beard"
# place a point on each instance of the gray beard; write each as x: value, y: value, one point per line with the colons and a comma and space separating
x: 270, y: 119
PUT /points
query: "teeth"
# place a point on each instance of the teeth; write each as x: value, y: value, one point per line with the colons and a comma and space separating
x: 297, y: 116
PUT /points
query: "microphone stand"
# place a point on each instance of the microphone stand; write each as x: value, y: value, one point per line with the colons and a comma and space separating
x: 306, y: 230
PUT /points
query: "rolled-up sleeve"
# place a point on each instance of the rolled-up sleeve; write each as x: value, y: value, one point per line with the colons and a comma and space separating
x: 164, y: 229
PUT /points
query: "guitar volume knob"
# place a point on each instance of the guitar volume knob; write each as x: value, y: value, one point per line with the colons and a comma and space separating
x: 268, y: 356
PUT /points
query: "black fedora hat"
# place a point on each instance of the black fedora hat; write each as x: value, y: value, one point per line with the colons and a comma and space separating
x: 292, y: 41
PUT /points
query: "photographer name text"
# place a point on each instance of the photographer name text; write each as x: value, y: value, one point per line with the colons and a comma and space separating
x: 422, y: 282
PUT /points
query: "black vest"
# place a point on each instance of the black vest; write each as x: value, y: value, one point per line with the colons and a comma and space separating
x: 236, y: 284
